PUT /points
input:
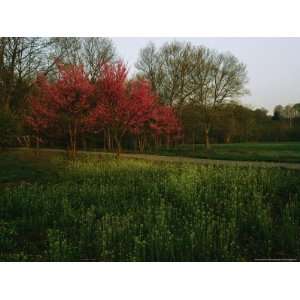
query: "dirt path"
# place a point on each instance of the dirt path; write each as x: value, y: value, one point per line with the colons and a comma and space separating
x: 292, y: 166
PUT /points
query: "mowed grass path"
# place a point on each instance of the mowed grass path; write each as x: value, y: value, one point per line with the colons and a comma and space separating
x: 183, y: 159
x: 99, y: 208
x: 275, y: 152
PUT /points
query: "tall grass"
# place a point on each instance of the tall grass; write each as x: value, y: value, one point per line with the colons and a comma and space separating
x: 127, y: 210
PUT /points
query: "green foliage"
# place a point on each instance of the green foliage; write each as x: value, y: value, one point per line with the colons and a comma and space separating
x: 8, y: 128
x: 129, y: 210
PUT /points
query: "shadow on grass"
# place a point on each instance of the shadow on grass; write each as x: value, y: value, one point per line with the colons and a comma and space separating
x: 28, y: 167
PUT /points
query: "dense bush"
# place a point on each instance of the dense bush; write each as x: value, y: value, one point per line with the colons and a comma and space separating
x: 125, y: 210
x: 8, y: 129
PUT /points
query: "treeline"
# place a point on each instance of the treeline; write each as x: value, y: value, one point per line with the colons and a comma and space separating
x: 72, y: 106
x: 205, y: 86
x: 235, y: 123
x: 76, y: 92
x: 22, y: 59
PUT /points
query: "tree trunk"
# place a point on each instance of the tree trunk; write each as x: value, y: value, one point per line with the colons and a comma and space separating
x: 141, y: 143
x: 206, y: 136
x: 168, y: 141
x: 118, y: 146
x: 73, y: 135
x: 194, y: 141
x: 183, y: 139
x: 227, y: 139
x: 37, y: 145
x: 109, y: 141
x: 6, y: 104
x: 84, y: 143
x: 104, y: 140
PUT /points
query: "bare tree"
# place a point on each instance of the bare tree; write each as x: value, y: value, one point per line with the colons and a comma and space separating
x: 182, y: 74
x: 66, y: 50
x: 290, y: 113
x: 96, y: 53
x: 20, y: 59
x: 168, y: 70
x: 91, y: 52
x: 150, y: 66
x: 201, y: 79
x: 228, y: 80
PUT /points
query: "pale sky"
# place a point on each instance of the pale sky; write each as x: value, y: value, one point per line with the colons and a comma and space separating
x: 273, y: 64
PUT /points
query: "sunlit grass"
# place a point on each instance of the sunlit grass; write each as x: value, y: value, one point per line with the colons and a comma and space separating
x: 132, y: 210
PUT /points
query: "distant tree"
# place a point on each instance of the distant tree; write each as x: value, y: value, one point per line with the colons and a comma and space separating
x: 73, y: 100
x: 277, y: 113
x: 21, y: 59
x: 91, y: 52
x: 290, y: 114
x: 41, y: 112
x: 150, y: 66
x: 226, y: 125
x: 122, y: 107
x: 201, y: 79
x: 217, y: 78
x: 128, y: 107
x: 168, y: 71
x: 229, y: 78
x: 66, y: 50
x: 96, y: 53
x: 165, y: 124
x: 192, y: 123
x: 182, y: 74
x: 143, y: 103
x: 297, y: 109
x: 64, y: 103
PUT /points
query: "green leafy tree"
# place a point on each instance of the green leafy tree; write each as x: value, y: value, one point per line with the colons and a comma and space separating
x: 8, y: 128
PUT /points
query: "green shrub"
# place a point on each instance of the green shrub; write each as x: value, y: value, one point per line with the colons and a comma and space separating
x: 8, y: 129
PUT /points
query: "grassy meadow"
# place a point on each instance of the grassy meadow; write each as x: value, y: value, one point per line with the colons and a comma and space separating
x: 276, y: 152
x: 105, y: 209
